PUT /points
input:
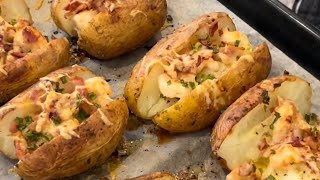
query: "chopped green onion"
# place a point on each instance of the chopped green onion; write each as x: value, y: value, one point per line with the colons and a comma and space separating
x: 97, y: 105
x: 32, y: 146
x: 63, y: 79
x: 58, y: 89
x: 203, y: 77
x: 22, y: 123
x: 275, y: 120
x: 162, y: 96
x: 13, y: 22
x: 236, y: 43
x: 169, y: 82
x: 82, y: 115
x: 215, y: 50
x: 270, y: 178
x: 183, y: 83
x: 92, y: 96
x: 192, y: 85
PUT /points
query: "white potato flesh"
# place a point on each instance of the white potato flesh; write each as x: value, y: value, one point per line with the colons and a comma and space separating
x: 241, y: 145
x: 8, y: 116
x: 14, y: 10
x: 59, y: 14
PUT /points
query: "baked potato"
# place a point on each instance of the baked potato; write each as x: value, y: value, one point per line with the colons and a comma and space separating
x: 109, y: 28
x: 62, y: 125
x: 25, y: 56
x: 189, y: 77
x: 11, y: 10
x: 269, y: 132
x: 156, y: 176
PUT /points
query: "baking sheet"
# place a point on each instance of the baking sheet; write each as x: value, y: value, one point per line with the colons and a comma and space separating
x: 147, y: 149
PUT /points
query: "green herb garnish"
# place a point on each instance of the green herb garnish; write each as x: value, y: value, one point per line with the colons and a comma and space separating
x: 92, y: 96
x: 236, y: 43
x: 275, y: 120
x: 56, y: 120
x: 270, y: 178
x: 265, y: 97
x: 204, y: 77
x: 13, y: 22
x: 311, y: 119
x: 183, y: 83
x: 22, y: 123
x: 162, y: 96
x: 32, y: 146
x: 196, y: 47
x: 192, y: 85
x: 82, y: 115
x: 79, y: 100
x: 169, y: 82
x: 63, y: 79
x: 314, y: 132
x: 58, y: 89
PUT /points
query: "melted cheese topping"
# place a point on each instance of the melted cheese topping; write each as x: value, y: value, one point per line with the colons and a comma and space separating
x: 17, y: 39
x: 291, y: 151
x: 204, y: 62
x: 65, y: 102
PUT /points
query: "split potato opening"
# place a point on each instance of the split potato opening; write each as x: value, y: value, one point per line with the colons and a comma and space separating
x: 275, y: 139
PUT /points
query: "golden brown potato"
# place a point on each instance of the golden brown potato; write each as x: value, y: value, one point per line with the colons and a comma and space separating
x: 269, y: 132
x: 189, y: 77
x: 107, y: 29
x: 63, y: 125
x: 12, y: 10
x: 26, y: 56
x: 156, y: 176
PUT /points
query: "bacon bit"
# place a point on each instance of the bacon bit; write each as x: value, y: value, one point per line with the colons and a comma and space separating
x: 29, y: 36
x: 1, y: 37
x: 213, y: 28
x: 78, y: 81
x: 39, y: 4
x: 18, y: 54
x: 76, y: 7
x: 199, y: 61
x: 263, y: 144
x: 296, y: 142
x: 13, y: 127
x: 83, y: 92
x: 7, y: 47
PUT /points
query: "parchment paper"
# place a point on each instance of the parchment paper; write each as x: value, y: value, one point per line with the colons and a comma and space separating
x: 187, y: 154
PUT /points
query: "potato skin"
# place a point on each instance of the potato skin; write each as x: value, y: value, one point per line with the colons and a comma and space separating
x: 61, y: 157
x: 155, y: 176
x: 132, y: 23
x: 177, y: 40
x: 26, y: 71
x: 243, y: 105
x: 191, y: 113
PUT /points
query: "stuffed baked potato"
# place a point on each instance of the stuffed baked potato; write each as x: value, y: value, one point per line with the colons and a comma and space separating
x: 62, y: 125
x: 109, y: 28
x: 25, y: 56
x: 189, y: 77
x: 269, y: 132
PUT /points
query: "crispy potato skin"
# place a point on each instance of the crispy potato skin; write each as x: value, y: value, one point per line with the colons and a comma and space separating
x: 26, y: 71
x: 110, y: 34
x: 61, y: 157
x: 155, y: 176
x: 177, y: 40
x: 243, y: 105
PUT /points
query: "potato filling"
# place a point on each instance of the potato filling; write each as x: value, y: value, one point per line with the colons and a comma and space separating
x: 211, y: 52
x: 288, y: 144
x: 63, y: 103
x: 17, y: 39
